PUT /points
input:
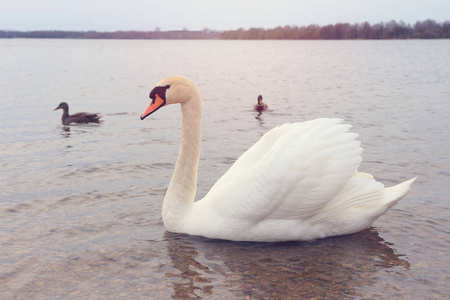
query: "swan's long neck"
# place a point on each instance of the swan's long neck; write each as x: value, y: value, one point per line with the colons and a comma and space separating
x: 183, y: 185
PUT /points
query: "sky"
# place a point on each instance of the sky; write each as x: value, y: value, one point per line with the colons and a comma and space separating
x: 147, y: 15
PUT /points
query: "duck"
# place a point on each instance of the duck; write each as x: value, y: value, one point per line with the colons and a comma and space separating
x: 299, y: 182
x: 260, y: 106
x: 81, y: 117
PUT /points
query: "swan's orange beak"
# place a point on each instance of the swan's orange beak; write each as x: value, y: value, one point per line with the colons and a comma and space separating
x: 156, y: 104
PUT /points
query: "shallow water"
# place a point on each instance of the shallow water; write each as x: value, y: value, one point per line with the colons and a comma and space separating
x: 80, y: 205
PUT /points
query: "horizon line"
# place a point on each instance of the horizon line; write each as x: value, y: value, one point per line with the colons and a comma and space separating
x: 158, y: 29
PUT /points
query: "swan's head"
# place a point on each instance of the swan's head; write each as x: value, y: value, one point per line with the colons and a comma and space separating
x: 259, y: 100
x: 174, y: 89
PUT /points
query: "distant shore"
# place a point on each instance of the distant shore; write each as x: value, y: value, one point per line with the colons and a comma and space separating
x: 428, y: 29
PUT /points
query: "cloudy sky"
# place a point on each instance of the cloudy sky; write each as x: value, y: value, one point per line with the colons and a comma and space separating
x: 112, y: 15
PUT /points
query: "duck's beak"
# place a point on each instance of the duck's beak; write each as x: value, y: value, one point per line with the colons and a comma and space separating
x: 57, y: 108
x: 156, y: 104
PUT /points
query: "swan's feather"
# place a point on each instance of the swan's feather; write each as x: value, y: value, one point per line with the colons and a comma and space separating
x: 291, y: 173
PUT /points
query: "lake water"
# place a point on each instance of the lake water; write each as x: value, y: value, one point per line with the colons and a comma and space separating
x: 80, y: 209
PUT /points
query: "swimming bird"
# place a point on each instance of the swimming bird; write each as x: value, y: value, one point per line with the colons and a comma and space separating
x: 260, y: 106
x: 81, y: 117
x: 299, y: 182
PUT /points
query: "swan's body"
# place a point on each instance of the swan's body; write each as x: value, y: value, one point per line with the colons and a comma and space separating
x: 80, y: 118
x: 298, y: 182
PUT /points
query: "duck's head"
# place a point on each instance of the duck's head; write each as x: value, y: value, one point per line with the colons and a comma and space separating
x: 259, y: 100
x: 63, y: 106
x: 174, y: 89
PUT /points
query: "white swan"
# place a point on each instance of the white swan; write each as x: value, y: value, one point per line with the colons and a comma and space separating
x: 298, y: 182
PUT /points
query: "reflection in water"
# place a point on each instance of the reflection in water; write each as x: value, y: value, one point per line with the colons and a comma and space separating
x: 333, y: 268
x: 65, y: 131
x: 258, y: 116
x: 190, y: 282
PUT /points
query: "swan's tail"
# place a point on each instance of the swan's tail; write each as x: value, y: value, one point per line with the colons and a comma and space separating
x: 365, y: 207
x: 395, y: 193
x: 362, y: 201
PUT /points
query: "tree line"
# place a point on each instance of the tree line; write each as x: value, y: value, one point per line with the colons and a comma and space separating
x: 428, y: 29
x: 143, y: 35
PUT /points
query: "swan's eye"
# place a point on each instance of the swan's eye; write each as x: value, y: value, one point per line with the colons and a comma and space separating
x: 167, y: 86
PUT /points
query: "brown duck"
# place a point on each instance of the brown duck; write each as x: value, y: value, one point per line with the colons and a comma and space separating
x: 261, y: 105
x: 81, y: 117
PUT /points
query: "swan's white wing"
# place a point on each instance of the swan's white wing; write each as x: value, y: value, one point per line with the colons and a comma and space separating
x: 290, y: 173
